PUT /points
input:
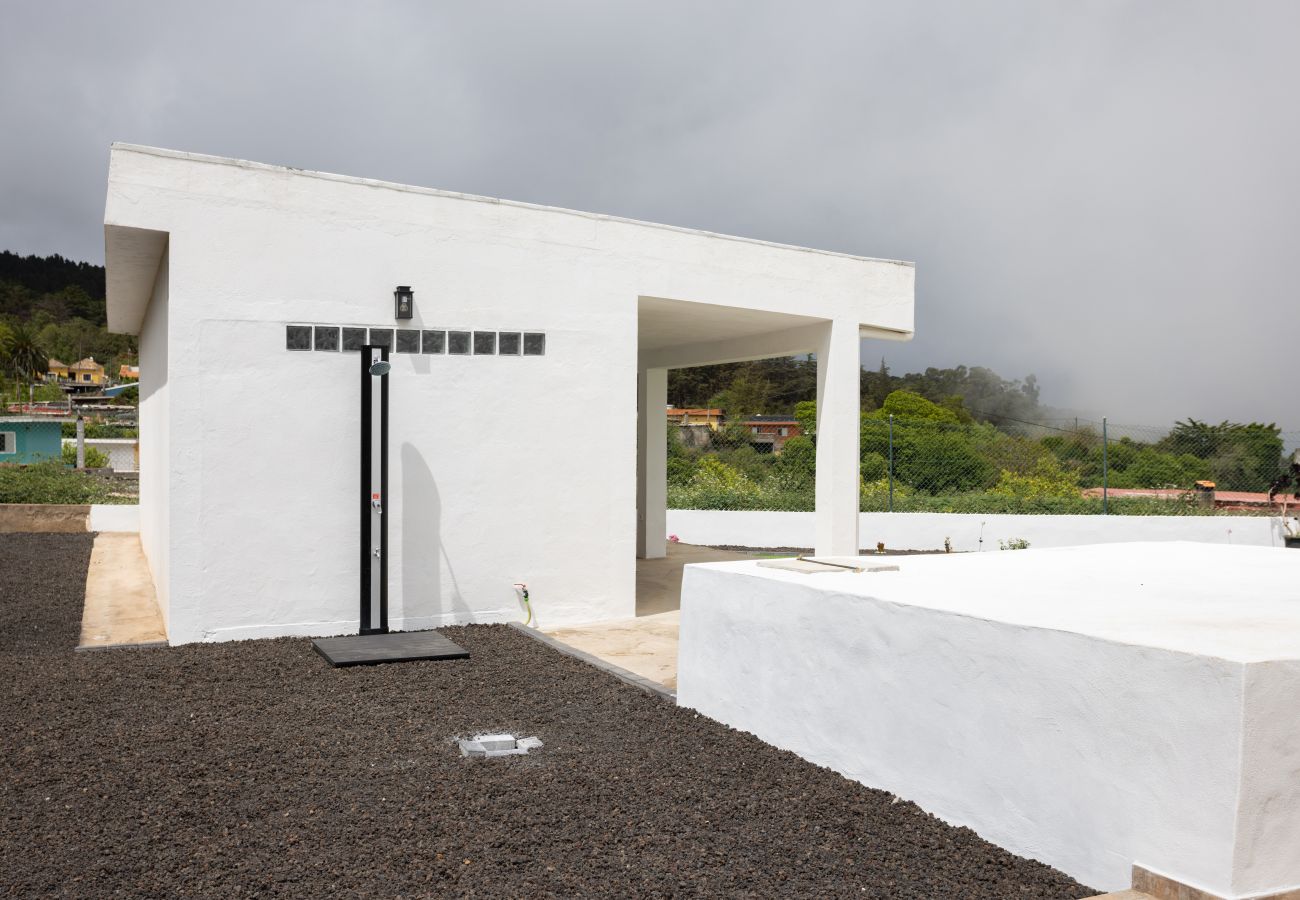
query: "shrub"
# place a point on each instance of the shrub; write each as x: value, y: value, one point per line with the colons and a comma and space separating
x: 716, y: 485
x: 873, y: 496
x: 797, y: 464
x: 95, y: 459
x: 49, y: 482
x: 1048, y: 479
x: 874, y: 467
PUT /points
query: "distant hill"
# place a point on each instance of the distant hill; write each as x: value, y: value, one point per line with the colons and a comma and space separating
x: 62, y: 288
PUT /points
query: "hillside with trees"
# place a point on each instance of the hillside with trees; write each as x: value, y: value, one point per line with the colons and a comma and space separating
x: 54, y: 307
x: 951, y: 440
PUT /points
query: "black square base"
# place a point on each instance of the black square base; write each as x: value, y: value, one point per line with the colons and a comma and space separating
x: 398, y: 646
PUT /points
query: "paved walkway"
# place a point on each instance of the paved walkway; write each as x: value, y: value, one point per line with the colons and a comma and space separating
x: 121, y: 607
x: 647, y: 645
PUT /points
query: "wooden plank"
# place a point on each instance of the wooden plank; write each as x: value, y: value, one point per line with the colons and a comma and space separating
x: 398, y: 646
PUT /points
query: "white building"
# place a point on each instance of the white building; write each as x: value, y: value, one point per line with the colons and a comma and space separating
x: 213, y: 262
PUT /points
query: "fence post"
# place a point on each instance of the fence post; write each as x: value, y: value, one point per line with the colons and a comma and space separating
x: 81, y: 442
x: 891, y: 462
x: 1105, y: 472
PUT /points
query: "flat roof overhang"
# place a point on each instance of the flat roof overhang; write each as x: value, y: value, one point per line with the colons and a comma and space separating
x: 131, y: 260
x: 680, y: 333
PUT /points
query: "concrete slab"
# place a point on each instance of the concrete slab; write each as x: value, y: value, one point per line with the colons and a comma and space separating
x: 121, y: 608
x: 647, y: 645
x: 397, y: 646
x: 659, y: 581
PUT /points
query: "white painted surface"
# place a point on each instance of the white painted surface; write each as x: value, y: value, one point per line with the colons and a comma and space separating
x: 651, y: 464
x: 838, y: 425
x: 1090, y: 707
x: 156, y: 437
x: 490, y: 480
x: 114, y: 517
x: 926, y: 531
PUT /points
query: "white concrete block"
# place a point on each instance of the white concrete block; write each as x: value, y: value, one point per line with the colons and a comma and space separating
x: 1091, y: 707
x: 111, y: 517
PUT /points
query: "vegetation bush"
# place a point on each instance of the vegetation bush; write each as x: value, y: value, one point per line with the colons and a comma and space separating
x: 94, y: 430
x: 50, y: 482
x: 1047, y: 479
x: 95, y: 459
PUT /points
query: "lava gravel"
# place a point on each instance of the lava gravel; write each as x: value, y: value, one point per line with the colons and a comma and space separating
x: 253, y: 769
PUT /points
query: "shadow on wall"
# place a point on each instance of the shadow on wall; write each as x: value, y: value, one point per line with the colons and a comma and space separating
x: 424, y: 601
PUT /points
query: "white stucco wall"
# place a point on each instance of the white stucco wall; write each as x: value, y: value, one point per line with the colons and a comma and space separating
x: 502, y: 469
x: 155, y: 439
x: 1092, y: 707
x: 114, y: 517
x: 926, y: 531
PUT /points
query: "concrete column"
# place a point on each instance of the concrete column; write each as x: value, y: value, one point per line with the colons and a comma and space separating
x: 651, y: 463
x: 838, y: 410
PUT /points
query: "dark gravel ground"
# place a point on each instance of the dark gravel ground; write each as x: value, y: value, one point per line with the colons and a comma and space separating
x: 252, y: 769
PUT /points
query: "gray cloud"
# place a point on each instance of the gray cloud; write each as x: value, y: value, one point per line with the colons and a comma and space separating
x: 1104, y: 194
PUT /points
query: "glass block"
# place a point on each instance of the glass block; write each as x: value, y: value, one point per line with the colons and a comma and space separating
x: 534, y: 343
x: 485, y: 343
x: 381, y: 337
x: 408, y: 340
x: 434, y: 342
x: 354, y: 338
x: 327, y: 337
x: 297, y: 337
x: 458, y: 342
x: 508, y: 343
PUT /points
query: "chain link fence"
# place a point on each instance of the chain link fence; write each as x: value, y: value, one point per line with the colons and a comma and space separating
x: 910, y: 465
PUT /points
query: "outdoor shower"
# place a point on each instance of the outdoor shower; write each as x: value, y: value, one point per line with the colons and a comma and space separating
x: 373, y: 642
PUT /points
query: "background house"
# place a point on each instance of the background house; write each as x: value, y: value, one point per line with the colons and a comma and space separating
x: 771, y: 432
x: 86, y: 371
x: 683, y: 417
x: 31, y: 439
x: 57, y: 371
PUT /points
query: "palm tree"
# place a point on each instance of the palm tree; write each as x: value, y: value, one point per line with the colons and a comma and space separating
x: 26, y: 357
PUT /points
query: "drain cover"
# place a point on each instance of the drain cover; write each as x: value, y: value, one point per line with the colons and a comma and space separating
x: 484, y: 745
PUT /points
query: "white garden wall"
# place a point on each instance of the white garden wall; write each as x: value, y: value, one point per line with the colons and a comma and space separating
x: 114, y: 517
x: 120, y: 452
x: 926, y: 531
x: 1092, y: 707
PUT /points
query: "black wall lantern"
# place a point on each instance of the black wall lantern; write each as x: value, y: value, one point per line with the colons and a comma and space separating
x: 404, y: 301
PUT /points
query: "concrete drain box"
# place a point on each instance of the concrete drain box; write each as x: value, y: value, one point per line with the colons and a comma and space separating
x: 488, y: 745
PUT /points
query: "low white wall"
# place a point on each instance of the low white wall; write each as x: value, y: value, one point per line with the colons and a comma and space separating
x: 1086, y: 752
x: 121, y: 452
x: 968, y: 532
x: 118, y: 517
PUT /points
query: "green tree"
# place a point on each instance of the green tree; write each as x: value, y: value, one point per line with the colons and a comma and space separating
x: 907, y: 405
x: 747, y: 395
x: 1241, y: 457
x: 26, y: 357
x: 805, y: 413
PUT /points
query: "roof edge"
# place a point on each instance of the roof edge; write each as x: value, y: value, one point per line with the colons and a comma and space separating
x: 476, y: 198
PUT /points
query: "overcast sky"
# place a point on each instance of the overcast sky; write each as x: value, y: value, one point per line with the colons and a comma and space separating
x: 1105, y: 194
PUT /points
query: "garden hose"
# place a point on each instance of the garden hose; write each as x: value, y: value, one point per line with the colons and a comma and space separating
x: 523, y: 590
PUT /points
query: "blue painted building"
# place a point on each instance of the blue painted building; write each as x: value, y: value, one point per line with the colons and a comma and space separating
x: 29, y: 439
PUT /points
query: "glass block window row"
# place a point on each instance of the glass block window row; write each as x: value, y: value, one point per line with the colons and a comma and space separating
x: 414, y: 340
